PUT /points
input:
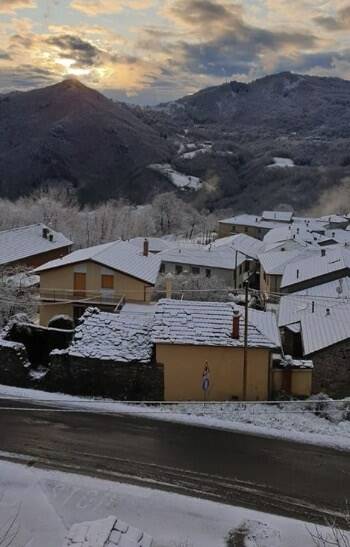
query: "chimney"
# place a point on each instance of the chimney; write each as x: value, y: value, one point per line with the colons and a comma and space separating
x: 45, y: 232
x: 313, y: 307
x: 145, y: 247
x: 328, y: 311
x: 297, y: 274
x: 235, y: 324
x: 323, y: 252
x: 51, y: 237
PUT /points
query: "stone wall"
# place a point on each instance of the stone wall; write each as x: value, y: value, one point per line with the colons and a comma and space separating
x: 332, y: 370
x: 39, y: 341
x: 14, y: 364
x: 93, y: 377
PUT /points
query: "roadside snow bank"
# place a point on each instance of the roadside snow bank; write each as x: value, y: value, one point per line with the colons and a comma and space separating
x: 303, y: 422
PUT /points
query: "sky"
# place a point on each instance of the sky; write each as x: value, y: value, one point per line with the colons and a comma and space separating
x: 152, y: 51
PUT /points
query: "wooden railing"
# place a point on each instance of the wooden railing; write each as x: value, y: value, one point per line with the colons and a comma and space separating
x: 85, y: 297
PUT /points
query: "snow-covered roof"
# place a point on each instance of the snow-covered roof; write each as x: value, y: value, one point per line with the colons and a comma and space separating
x: 250, y: 220
x: 208, y: 257
x: 27, y: 241
x: 315, y: 300
x: 296, y: 232
x: 279, y: 216
x: 322, y: 331
x: 113, y: 337
x: 340, y: 236
x: 187, y: 322
x: 275, y: 262
x: 334, y: 219
x: 332, y: 260
x: 250, y: 246
x: 117, y: 255
x: 156, y: 244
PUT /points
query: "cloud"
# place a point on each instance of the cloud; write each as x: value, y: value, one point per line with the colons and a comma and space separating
x: 98, y: 7
x: 341, y: 21
x: 10, y: 6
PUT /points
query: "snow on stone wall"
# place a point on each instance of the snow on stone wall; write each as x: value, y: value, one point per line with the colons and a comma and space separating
x: 109, y: 532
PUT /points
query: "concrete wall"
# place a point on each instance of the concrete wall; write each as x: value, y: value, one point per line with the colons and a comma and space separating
x: 332, y: 370
x: 296, y: 382
x: 184, y: 366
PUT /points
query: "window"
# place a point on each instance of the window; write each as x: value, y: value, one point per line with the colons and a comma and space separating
x: 107, y: 282
x: 246, y: 266
x: 178, y: 269
x: 79, y: 284
x: 240, y: 270
x: 195, y: 270
x: 207, y: 273
x: 246, y: 229
x: 162, y: 268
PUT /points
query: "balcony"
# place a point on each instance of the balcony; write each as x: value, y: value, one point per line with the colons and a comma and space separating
x: 66, y: 296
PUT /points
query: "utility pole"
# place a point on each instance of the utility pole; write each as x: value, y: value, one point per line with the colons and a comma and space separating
x: 236, y: 263
x: 245, y: 349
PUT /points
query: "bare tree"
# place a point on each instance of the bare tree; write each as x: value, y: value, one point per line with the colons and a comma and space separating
x: 334, y: 535
x: 17, y: 295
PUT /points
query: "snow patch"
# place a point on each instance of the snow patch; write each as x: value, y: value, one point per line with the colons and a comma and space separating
x: 282, y: 162
x: 180, y: 180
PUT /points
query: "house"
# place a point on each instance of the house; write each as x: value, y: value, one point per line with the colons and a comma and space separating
x: 201, y: 348
x: 111, y: 355
x: 278, y: 216
x: 252, y: 225
x: 314, y: 324
x: 273, y: 264
x: 224, y: 264
x: 102, y: 275
x: 31, y: 246
x: 247, y: 245
x: 328, y: 264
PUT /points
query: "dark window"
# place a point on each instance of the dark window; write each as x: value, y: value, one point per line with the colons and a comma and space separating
x: 207, y: 273
x: 240, y: 270
x: 246, y: 266
x: 162, y: 268
x: 196, y: 271
x: 246, y: 229
x: 78, y: 311
x: 178, y: 269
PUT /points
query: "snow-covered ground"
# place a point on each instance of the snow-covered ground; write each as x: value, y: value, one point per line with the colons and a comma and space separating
x: 296, y: 421
x: 43, y: 505
x: 201, y: 149
x: 180, y: 180
x: 282, y: 162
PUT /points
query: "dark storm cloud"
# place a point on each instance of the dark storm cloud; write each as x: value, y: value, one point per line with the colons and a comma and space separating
x: 82, y: 51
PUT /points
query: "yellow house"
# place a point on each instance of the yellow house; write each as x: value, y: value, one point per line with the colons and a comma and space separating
x: 201, y: 348
x: 102, y: 276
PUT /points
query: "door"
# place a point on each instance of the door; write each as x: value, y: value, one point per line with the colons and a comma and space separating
x: 79, y: 284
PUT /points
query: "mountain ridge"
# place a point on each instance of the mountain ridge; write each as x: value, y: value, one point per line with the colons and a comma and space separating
x: 225, y: 136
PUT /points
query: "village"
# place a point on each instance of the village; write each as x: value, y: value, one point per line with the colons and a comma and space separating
x: 260, y: 312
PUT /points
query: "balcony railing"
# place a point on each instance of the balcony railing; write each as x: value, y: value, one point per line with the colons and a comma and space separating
x: 81, y: 296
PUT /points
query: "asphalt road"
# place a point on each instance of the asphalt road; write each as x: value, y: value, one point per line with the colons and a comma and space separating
x: 290, y: 479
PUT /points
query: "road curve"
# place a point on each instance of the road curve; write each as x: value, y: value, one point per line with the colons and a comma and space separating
x: 276, y: 476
